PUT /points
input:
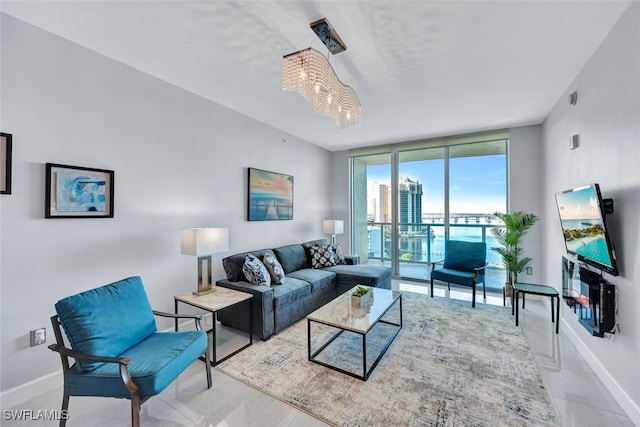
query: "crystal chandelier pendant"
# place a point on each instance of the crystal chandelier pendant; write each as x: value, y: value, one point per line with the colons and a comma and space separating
x: 310, y: 74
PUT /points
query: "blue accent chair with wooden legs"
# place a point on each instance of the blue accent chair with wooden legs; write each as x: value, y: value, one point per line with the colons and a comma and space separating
x: 464, y: 265
x: 116, y: 347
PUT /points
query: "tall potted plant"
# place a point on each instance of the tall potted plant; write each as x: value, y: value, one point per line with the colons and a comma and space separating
x: 516, y: 225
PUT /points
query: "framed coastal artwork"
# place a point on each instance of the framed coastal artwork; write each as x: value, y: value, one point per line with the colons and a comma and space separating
x: 270, y: 196
x: 78, y: 192
x: 5, y: 162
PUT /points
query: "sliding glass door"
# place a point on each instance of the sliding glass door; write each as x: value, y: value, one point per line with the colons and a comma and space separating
x: 407, y: 203
x: 421, y: 209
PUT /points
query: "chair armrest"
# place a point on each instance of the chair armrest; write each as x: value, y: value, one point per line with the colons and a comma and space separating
x: 433, y: 263
x: 177, y: 316
x: 196, y: 317
x: 123, y: 363
x: 477, y: 271
x: 78, y: 355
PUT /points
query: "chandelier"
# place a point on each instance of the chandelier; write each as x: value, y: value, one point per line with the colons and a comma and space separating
x: 309, y: 73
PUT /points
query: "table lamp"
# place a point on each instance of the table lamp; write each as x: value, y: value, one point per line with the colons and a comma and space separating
x: 333, y: 227
x: 202, y: 242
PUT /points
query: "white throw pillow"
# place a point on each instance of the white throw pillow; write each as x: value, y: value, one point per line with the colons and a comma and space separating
x: 275, y: 269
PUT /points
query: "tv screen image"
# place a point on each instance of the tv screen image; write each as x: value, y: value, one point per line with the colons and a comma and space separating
x: 584, y: 228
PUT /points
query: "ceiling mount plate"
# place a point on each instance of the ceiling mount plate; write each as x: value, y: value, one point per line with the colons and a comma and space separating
x: 328, y: 35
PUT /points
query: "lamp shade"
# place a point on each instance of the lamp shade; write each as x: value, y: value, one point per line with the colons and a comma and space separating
x: 332, y: 226
x: 204, y: 241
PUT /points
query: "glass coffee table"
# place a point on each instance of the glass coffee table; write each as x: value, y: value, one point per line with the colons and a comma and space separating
x: 344, y: 332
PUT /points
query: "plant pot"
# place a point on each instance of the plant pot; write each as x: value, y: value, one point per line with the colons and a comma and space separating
x: 363, y: 300
x: 508, y: 290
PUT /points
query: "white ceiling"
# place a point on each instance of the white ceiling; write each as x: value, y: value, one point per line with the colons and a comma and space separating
x: 420, y: 68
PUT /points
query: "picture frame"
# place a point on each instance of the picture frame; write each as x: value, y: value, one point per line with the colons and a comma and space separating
x: 270, y: 196
x: 78, y: 192
x: 6, y: 149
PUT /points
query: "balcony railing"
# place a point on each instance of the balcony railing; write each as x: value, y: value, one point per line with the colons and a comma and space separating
x: 423, y: 243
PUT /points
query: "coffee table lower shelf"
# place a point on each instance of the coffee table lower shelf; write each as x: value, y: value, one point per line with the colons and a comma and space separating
x: 313, y: 355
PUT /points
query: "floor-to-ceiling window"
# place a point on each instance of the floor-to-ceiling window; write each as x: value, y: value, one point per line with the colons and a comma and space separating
x: 421, y: 206
x: 407, y: 201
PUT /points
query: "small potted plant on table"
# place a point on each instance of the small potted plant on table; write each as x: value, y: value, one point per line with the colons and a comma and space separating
x: 361, y: 296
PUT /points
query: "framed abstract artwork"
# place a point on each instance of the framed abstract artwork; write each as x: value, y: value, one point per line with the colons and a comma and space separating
x: 78, y: 192
x: 5, y: 162
x: 270, y: 196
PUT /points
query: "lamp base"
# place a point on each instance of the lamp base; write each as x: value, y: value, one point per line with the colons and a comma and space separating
x: 204, y: 290
x: 204, y: 276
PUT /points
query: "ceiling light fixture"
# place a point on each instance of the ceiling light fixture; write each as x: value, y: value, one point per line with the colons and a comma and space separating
x: 310, y: 74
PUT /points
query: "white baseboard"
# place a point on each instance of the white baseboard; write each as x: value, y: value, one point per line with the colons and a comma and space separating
x: 20, y: 394
x: 621, y: 396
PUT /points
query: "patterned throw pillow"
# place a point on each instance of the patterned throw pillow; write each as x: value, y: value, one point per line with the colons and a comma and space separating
x: 337, y: 253
x: 255, y: 271
x: 275, y: 269
x: 322, y: 256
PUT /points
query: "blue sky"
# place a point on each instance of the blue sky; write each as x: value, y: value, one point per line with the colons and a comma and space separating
x: 478, y: 184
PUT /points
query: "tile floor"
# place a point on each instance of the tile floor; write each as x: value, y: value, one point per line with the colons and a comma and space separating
x: 578, y: 395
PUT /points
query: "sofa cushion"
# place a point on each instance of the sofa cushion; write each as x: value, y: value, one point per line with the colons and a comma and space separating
x: 275, y: 269
x: 455, y: 276
x: 155, y: 362
x: 291, y: 257
x: 361, y: 274
x: 233, y: 264
x: 108, y: 320
x: 319, y: 279
x: 322, y: 256
x: 291, y: 290
x: 255, y: 271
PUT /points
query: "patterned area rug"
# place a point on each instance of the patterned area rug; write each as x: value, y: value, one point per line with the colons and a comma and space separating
x: 450, y: 365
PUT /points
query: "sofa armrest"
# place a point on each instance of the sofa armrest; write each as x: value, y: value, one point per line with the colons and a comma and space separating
x: 262, y: 306
x: 352, y: 259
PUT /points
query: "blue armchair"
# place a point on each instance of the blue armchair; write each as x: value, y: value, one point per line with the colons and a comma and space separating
x: 116, y: 347
x: 464, y: 264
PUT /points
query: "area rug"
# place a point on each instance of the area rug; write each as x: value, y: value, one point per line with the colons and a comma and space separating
x: 450, y: 365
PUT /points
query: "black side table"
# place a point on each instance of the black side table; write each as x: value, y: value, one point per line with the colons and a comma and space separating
x: 533, y: 289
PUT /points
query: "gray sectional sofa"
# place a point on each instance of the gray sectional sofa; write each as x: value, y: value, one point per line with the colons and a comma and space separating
x: 304, y: 290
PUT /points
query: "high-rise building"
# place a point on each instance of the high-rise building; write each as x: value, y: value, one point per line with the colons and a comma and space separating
x: 410, y: 203
x: 379, y: 202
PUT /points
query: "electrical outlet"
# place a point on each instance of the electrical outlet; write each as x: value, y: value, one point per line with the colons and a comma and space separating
x: 37, y: 337
x: 529, y: 271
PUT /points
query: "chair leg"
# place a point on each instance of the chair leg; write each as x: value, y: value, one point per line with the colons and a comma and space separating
x: 135, y: 410
x: 484, y: 292
x: 207, y: 367
x: 65, y: 410
x: 473, y: 296
x: 431, y: 288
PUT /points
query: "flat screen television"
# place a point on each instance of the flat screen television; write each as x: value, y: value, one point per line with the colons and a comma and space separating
x: 582, y: 218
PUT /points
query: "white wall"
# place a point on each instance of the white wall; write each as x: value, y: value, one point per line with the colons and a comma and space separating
x: 340, y: 196
x: 180, y: 161
x: 607, y: 118
x: 525, y: 191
